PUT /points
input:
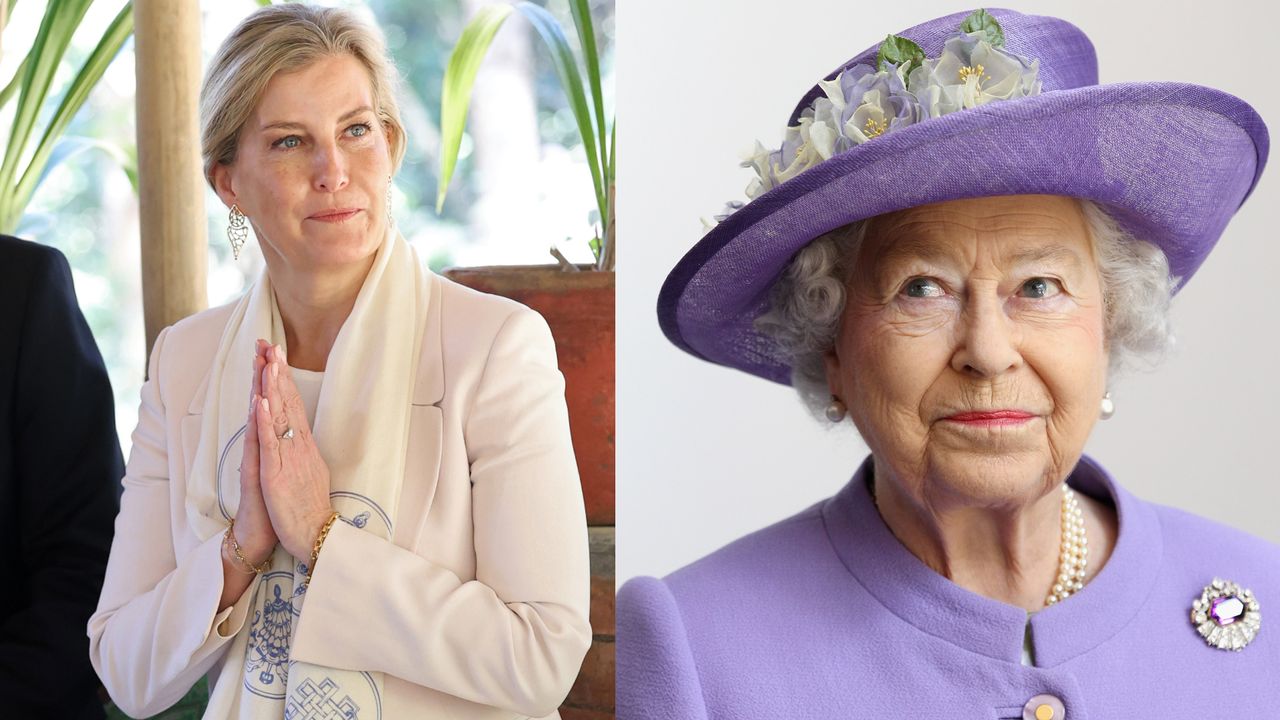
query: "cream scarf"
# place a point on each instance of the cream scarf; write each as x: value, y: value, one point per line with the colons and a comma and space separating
x: 361, y: 429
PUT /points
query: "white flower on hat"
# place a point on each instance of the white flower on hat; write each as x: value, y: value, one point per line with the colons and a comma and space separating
x: 798, y: 153
x: 760, y: 160
x: 971, y: 72
x: 870, y: 119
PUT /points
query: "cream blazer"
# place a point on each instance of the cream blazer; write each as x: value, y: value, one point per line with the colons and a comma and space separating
x: 478, y: 606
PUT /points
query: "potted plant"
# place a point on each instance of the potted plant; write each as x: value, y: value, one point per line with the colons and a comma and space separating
x: 577, y: 301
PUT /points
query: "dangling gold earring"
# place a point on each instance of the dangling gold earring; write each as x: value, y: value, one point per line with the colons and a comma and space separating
x: 391, y: 220
x: 237, y: 229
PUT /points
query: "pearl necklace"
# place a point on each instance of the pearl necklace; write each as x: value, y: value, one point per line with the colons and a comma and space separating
x: 1075, y: 550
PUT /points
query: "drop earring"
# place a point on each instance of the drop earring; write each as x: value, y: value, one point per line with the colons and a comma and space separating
x: 1108, y: 406
x: 836, y: 410
x: 391, y: 220
x: 237, y: 229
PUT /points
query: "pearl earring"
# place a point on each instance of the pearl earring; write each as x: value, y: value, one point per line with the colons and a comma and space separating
x: 836, y: 410
x: 1108, y: 406
x: 237, y: 229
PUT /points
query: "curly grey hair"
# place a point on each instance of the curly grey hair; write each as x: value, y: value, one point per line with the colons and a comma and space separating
x: 808, y: 300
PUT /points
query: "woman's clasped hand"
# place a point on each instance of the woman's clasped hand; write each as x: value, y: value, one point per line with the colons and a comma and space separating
x: 284, y: 482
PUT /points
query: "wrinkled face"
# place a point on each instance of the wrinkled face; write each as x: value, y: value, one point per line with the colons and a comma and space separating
x: 972, y: 354
x: 312, y: 167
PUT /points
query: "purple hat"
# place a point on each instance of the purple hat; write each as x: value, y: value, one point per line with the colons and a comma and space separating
x: 1171, y: 162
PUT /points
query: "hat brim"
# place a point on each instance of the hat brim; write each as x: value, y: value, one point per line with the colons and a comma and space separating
x: 1171, y: 162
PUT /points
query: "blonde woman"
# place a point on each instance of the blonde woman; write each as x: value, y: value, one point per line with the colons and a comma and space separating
x: 351, y: 491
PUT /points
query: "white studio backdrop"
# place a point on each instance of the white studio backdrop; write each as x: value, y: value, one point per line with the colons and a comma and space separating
x: 707, y: 454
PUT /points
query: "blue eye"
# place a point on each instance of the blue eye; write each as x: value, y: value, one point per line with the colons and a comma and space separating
x: 922, y: 288
x: 1040, y: 288
x: 288, y: 142
x: 362, y: 128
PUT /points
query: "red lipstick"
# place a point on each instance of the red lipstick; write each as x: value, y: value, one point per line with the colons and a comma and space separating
x: 991, y: 418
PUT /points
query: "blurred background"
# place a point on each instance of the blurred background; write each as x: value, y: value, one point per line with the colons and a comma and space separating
x: 521, y: 186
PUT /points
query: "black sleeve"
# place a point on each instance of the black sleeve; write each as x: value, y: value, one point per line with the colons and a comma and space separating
x: 66, y: 468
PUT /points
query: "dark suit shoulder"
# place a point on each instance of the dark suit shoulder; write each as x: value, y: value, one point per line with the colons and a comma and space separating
x: 28, y: 266
x: 44, y: 317
x: 17, y: 250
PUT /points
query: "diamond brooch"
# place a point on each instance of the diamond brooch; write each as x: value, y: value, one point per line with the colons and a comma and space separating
x: 1226, y: 615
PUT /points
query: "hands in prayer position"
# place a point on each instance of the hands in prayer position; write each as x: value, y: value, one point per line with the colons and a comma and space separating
x: 284, y: 483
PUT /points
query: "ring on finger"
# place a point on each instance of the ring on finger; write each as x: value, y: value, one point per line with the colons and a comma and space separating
x: 287, y: 434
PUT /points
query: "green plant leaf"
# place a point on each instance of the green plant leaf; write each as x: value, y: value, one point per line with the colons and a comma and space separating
x: 980, y: 21
x: 90, y: 73
x: 901, y: 52
x: 567, y: 68
x: 604, y: 258
x: 7, y: 93
x: 47, y: 49
x: 459, y: 77
x: 591, y: 56
x: 613, y: 136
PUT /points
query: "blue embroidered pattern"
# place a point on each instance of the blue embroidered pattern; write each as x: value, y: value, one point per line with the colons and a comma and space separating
x: 268, y: 651
x: 310, y: 701
x: 299, y: 589
x: 362, y: 518
x: 222, y: 461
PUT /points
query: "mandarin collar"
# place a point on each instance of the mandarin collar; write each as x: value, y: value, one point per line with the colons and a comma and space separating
x: 935, y: 605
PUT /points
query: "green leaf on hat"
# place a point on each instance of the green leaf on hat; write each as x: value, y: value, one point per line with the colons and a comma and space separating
x: 981, y: 22
x: 901, y: 52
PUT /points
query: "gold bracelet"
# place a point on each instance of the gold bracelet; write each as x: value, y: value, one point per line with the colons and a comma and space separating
x: 315, y: 550
x: 229, y: 538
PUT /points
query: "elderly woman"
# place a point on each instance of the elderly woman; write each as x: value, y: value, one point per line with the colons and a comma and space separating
x: 957, y: 245
x: 351, y: 491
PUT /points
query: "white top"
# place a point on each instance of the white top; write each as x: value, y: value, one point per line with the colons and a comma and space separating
x: 308, y: 383
x: 1028, y: 651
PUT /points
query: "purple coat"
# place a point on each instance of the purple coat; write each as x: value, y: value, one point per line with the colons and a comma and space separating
x: 826, y: 615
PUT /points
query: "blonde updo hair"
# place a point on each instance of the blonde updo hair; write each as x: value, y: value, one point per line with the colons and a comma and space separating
x: 285, y: 38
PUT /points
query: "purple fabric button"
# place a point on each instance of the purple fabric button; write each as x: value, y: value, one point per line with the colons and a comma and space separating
x: 1227, y: 610
x: 1044, y: 707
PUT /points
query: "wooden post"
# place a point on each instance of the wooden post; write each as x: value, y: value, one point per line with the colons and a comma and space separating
x: 170, y: 180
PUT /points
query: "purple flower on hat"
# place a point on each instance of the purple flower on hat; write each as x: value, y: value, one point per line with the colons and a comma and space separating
x: 869, y: 103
